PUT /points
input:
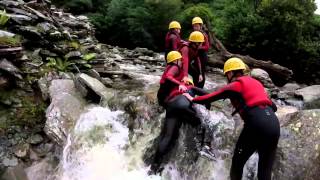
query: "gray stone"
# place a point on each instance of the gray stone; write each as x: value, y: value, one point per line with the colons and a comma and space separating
x: 22, y: 150
x: 65, y: 108
x: 107, y: 82
x: 41, y: 170
x: 83, y: 18
x: 96, y: 86
x: 43, y: 85
x: 286, y: 113
x: 144, y: 51
x: 56, y: 35
x: 10, y: 161
x: 7, y: 66
x: 309, y: 93
x: 73, y: 54
x: 47, y: 53
x: 35, y: 139
x: 9, y: 3
x: 263, y: 77
x: 30, y: 32
x: 115, y: 50
x: 20, y: 18
x: 6, y: 34
x: 290, y: 87
x: 15, y: 173
x: 298, y: 148
x: 93, y: 73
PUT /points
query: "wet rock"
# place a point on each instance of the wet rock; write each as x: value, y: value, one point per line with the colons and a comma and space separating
x: 56, y: 35
x: 144, y: 51
x: 96, y: 86
x: 286, y: 113
x: 20, y: 19
x: 65, y: 108
x: 43, y: 85
x: 107, y: 82
x: 310, y: 96
x: 10, y: 68
x: 9, y: 3
x: 290, y: 87
x: 43, y: 149
x: 73, y: 55
x: 93, y: 73
x: 46, y: 27
x: 41, y: 170
x: 15, y: 173
x: 22, y: 12
x: 29, y: 32
x: 263, y: 77
x: 10, y: 162
x: 6, y: 34
x: 298, y: 149
x: 45, y: 52
x: 35, y: 139
x: 22, y: 150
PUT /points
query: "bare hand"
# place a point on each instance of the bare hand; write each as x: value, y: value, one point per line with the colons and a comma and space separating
x: 200, y: 78
x: 187, y: 95
x: 182, y: 88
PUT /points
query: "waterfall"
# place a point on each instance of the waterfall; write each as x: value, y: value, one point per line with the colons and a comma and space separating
x: 96, y: 149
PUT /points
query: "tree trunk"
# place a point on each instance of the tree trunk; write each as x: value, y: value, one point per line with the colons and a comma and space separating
x: 280, y: 75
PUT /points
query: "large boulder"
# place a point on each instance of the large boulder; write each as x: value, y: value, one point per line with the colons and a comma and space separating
x: 310, y: 96
x: 263, y: 77
x: 95, y: 88
x: 298, y: 149
x: 65, y: 108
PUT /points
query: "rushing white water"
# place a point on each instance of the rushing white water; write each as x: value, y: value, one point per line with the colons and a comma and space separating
x: 96, y: 149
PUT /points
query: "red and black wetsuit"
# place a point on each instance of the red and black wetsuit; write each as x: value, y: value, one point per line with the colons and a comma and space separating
x: 261, y: 128
x: 203, y: 55
x: 172, y: 42
x: 191, y: 62
x: 178, y: 110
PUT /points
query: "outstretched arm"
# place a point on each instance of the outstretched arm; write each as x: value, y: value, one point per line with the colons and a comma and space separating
x: 222, y: 93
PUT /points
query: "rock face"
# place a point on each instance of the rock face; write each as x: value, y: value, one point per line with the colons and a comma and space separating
x: 263, y: 77
x: 96, y: 86
x: 299, y: 147
x: 310, y: 96
x: 65, y: 108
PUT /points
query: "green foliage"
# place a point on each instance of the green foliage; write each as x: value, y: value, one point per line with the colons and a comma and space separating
x: 89, y: 56
x: 3, y: 17
x: 28, y: 113
x: 285, y: 31
x: 59, y: 64
x: 10, y: 41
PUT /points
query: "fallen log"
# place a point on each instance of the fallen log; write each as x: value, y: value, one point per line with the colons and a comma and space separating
x: 280, y: 75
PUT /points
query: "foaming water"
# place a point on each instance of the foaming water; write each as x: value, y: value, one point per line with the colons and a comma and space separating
x: 96, y: 149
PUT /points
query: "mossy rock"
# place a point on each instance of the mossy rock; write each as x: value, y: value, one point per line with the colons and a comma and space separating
x: 14, y: 41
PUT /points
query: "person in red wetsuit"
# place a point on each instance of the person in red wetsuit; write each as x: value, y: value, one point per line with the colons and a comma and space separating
x: 173, y: 40
x: 261, y: 126
x: 190, y: 58
x: 197, y: 25
x: 178, y: 108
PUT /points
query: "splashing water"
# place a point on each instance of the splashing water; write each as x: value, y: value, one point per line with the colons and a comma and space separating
x: 96, y: 149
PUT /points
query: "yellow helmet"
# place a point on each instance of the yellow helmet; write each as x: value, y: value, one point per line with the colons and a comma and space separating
x: 190, y: 80
x: 173, y: 55
x: 174, y: 24
x: 233, y: 64
x: 196, y: 36
x: 197, y: 20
